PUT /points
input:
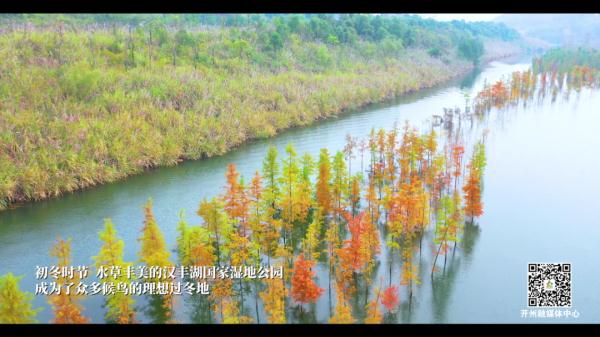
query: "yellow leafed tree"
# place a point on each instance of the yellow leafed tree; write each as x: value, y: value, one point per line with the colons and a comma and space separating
x: 15, y: 305
x: 66, y: 306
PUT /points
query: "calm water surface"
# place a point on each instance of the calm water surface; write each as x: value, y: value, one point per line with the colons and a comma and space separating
x: 540, y: 202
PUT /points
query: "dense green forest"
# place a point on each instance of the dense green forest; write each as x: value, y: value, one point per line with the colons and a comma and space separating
x: 88, y: 99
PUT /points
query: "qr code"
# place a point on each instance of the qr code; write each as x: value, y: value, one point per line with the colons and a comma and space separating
x: 549, y: 285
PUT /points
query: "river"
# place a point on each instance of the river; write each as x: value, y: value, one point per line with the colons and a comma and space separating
x: 540, y: 205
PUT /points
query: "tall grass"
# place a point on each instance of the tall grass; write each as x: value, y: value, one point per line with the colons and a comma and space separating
x: 80, y: 107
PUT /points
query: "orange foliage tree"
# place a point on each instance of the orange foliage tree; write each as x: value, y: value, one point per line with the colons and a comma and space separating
x: 235, y: 200
x: 472, y: 189
x: 323, y: 187
x: 354, y: 193
x: 304, y: 288
x: 66, y: 306
x: 374, y: 315
x: 390, y: 298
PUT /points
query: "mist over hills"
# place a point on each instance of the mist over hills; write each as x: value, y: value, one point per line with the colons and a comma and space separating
x: 552, y: 30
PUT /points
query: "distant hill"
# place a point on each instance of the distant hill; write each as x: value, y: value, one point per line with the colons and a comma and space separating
x: 547, y: 30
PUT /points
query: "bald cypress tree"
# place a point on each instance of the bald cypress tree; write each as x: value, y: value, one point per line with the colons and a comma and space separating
x: 15, y: 305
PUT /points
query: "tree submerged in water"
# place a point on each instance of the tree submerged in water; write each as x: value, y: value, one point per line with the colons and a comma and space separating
x: 120, y: 306
x: 66, y: 306
x: 300, y: 217
x: 15, y: 305
x: 304, y: 289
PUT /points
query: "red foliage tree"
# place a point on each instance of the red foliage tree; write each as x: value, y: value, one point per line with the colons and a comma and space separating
x: 356, y: 228
x: 304, y: 288
x: 472, y: 189
x: 390, y: 298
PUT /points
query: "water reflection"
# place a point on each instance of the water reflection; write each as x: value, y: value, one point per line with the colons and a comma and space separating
x: 470, y: 236
x: 299, y: 314
x: 469, y: 80
x: 442, y: 284
x: 201, y: 309
x: 156, y: 310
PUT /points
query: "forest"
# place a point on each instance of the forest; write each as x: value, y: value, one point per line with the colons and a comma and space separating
x: 90, y: 99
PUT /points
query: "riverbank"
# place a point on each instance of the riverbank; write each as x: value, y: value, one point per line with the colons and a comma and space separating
x: 83, y: 152
x: 83, y: 108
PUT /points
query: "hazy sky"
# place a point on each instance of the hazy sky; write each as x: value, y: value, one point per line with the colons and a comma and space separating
x: 466, y: 17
